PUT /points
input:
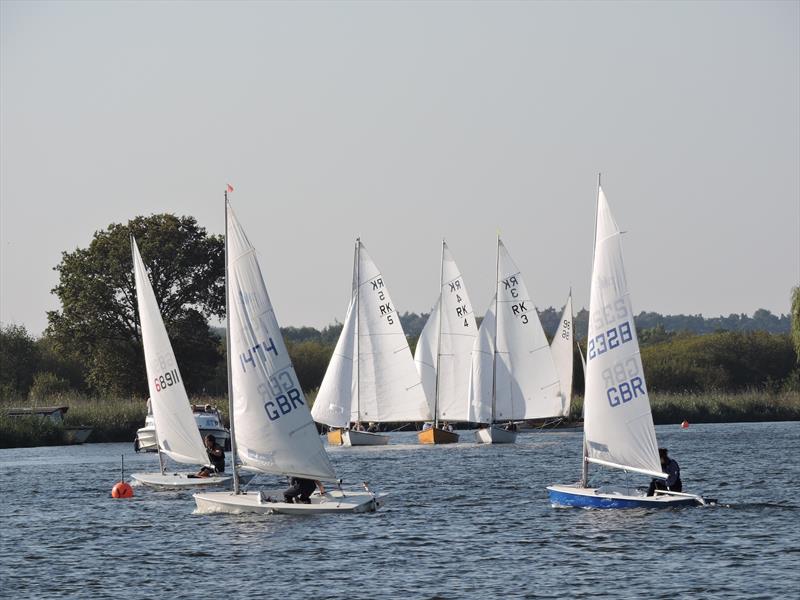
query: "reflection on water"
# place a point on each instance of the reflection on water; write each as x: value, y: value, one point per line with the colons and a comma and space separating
x: 462, y: 521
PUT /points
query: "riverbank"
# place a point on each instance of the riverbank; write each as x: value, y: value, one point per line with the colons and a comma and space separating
x: 116, y: 420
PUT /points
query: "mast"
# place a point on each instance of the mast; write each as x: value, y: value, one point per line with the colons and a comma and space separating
x: 236, y: 489
x: 358, y: 331
x: 585, y: 462
x: 494, y: 343
x: 439, y: 342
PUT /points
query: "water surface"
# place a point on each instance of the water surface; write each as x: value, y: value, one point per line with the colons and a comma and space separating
x: 463, y: 521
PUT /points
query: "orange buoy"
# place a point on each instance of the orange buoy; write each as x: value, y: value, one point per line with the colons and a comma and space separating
x: 685, y: 424
x: 122, y: 490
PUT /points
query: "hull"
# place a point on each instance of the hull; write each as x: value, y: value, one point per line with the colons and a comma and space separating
x: 495, y: 435
x: 146, y: 438
x: 573, y: 496
x: 335, y: 437
x: 257, y: 502
x: 180, y: 481
x: 363, y: 438
x: 437, y: 436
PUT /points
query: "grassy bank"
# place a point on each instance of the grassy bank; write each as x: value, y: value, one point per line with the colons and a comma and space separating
x: 718, y: 407
x: 116, y: 420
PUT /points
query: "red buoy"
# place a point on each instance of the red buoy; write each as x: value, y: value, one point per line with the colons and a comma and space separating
x: 122, y: 490
x: 685, y: 424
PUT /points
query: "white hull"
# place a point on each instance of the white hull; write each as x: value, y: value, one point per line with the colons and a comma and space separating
x: 363, y: 438
x: 180, y: 481
x: 495, y: 435
x: 146, y: 437
x: 335, y: 501
x: 616, y: 497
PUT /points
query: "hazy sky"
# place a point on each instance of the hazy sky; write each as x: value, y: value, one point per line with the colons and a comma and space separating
x: 405, y: 122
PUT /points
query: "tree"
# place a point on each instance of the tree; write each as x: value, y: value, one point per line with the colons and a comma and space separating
x: 98, y: 322
x: 18, y: 361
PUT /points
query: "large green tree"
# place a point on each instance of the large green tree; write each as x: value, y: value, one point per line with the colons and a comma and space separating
x: 98, y: 322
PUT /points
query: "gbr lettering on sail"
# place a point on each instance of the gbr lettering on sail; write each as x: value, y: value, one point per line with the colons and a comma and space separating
x: 280, y: 393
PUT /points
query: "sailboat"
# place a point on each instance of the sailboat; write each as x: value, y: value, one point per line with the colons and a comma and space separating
x: 443, y: 351
x: 176, y: 432
x: 618, y: 429
x: 513, y: 375
x: 561, y: 348
x: 271, y: 426
x: 371, y: 376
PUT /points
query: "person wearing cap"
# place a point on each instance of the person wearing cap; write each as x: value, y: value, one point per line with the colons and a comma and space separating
x: 670, y: 467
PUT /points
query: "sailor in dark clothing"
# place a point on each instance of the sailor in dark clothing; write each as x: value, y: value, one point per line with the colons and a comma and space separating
x: 216, y: 456
x: 673, y: 471
x: 301, y: 489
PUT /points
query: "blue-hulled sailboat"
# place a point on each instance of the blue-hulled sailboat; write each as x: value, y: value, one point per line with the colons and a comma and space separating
x: 618, y: 424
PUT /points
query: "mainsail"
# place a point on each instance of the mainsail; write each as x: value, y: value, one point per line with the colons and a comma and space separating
x: 562, y: 349
x: 274, y: 432
x: 526, y: 385
x: 176, y: 429
x: 371, y: 376
x: 446, y: 341
x: 618, y: 424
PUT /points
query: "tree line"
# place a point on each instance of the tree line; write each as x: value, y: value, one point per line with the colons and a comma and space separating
x: 92, y: 344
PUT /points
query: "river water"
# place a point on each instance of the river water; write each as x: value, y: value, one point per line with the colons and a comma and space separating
x: 463, y: 521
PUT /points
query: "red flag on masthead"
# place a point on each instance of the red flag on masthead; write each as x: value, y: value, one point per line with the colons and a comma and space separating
x: 230, y: 187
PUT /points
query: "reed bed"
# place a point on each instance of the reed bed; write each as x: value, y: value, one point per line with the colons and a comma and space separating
x: 717, y: 407
x: 117, y: 419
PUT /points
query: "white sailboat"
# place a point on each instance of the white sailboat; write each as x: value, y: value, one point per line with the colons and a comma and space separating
x: 513, y: 374
x: 176, y: 432
x: 371, y: 376
x: 271, y: 426
x: 618, y: 424
x: 443, y: 352
x: 562, y: 347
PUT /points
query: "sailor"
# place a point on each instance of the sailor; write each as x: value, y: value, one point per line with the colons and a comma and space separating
x: 670, y: 467
x: 301, y: 489
x: 216, y: 456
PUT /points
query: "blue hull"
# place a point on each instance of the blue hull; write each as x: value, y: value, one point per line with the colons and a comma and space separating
x: 562, y: 498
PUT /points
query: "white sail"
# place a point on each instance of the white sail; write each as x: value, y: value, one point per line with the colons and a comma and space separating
x: 274, y: 432
x: 176, y: 428
x: 526, y: 383
x: 332, y: 406
x: 562, y: 349
x: 618, y: 424
x: 482, y: 372
x: 447, y: 340
x: 381, y: 384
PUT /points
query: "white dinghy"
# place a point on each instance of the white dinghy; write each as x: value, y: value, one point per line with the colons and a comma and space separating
x: 271, y: 426
x: 176, y: 432
x: 443, y: 353
x: 513, y: 375
x: 618, y: 427
x: 371, y: 376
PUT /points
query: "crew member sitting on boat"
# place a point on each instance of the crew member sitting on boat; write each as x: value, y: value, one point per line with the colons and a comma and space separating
x: 510, y: 426
x: 673, y: 471
x: 427, y: 425
x: 446, y: 426
x: 301, y: 489
x: 373, y: 427
x: 358, y: 426
x: 216, y: 455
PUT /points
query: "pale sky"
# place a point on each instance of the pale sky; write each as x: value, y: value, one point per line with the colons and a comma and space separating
x: 405, y: 122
